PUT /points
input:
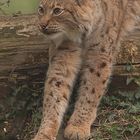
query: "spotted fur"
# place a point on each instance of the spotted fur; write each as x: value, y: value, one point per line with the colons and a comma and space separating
x: 86, y: 35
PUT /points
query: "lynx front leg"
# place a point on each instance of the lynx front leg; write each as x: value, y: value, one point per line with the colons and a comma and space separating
x: 62, y: 71
x: 96, y: 72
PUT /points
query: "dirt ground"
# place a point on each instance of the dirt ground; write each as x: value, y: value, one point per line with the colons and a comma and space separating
x: 118, y: 115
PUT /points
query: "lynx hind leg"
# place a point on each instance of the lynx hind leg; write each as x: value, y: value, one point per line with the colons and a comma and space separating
x: 60, y: 78
x: 95, y: 74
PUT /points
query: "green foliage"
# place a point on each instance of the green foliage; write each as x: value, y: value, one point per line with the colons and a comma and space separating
x: 21, y: 101
x: 16, y: 7
x: 119, y: 113
x: 119, y: 116
x: 134, y: 79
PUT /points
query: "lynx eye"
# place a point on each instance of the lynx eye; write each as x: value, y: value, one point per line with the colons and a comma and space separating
x: 57, y: 11
x: 41, y: 10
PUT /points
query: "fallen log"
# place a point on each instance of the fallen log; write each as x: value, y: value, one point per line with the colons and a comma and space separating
x: 24, y: 51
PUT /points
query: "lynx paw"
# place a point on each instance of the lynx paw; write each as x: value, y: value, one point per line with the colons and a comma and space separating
x: 43, y: 137
x: 77, y: 133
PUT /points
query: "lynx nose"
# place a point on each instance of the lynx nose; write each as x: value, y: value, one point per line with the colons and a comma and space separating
x: 43, y: 23
x: 43, y: 26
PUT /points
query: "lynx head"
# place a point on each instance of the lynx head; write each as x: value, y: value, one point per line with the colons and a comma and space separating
x: 69, y: 19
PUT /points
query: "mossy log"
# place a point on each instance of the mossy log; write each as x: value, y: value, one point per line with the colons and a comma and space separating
x: 24, y: 51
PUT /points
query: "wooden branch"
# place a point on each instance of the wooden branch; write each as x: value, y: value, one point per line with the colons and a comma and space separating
x: 24, y: 50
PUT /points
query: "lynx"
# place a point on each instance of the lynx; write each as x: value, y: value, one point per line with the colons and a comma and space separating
x: 85, y: 35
